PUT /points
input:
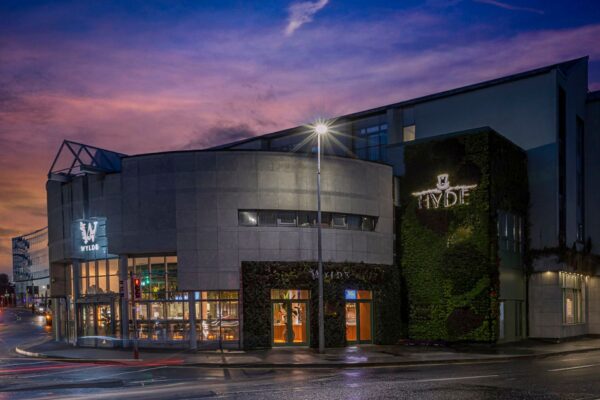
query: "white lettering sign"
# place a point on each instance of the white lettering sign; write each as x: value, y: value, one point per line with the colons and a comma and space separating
x: 444, y: 195
x: 88, y: 235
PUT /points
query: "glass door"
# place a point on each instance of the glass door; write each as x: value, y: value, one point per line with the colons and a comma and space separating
x: 359, y: 316
x: 298, y: 320
x: 289, y: 317
x: 280, y: 324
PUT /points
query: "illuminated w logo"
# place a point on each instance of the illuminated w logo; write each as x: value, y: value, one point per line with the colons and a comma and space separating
x: 88, y: 231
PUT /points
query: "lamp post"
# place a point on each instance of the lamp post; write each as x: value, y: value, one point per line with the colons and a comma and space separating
x: 320, y: 130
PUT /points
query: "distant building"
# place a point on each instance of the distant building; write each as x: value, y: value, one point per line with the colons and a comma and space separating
x: 482, y: 199
x: 31, y: 269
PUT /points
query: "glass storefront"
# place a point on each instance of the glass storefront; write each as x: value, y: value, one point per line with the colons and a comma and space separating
x: 163, y: 313
x: 217, y: 316
x: 359, y: 316
x: 289, y: 317
x: 98, y: 303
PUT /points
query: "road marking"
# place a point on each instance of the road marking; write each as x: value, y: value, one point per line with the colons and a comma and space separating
x: 570, y: 368
x: 124, y: 373
x: 453, y: 378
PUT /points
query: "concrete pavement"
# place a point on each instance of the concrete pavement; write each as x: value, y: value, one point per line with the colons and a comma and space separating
x: 351, y: 357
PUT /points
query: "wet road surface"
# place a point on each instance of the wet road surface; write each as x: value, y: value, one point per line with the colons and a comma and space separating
x: 574, y: 376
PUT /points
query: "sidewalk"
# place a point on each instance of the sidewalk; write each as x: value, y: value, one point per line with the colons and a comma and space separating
x: 349, y: 357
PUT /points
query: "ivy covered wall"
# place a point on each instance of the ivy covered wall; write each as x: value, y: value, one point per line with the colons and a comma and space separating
x: 258, y: 278
x: 448, y: 256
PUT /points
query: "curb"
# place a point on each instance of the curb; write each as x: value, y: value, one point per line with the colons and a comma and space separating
x: 336, y: 365
x: 31, y: 354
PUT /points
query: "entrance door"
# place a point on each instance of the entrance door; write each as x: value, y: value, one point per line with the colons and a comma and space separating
x: 359, y: 316
x: 290, y: 318
x: 97, y: 324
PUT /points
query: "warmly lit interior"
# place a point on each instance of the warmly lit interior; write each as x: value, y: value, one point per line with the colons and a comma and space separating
x: 290, y: 322
x: 358, y: 315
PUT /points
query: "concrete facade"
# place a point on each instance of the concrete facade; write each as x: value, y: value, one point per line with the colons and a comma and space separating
x: 187, y: 203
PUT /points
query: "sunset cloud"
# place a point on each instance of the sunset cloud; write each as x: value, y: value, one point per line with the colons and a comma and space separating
x: 302, y: 13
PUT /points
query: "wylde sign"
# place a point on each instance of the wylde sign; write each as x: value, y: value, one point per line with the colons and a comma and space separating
x: 444, y: 195
x: 89, y: 238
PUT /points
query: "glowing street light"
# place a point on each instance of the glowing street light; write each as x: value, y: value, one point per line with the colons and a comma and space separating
x: 320, y: 129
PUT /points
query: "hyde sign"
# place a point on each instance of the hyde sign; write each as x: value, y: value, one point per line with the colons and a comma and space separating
x: 443, y: 195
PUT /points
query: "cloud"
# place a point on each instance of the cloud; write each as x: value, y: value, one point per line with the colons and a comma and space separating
x: 507, y: 6
x: 219, y: 134
x: 302, y: 13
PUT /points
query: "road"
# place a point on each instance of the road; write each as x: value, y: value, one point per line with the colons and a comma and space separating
x: 561, y: 377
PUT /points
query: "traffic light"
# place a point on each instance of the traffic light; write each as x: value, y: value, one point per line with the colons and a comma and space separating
x: 136, y: 288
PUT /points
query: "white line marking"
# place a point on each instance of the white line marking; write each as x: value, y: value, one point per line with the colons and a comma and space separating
x: 123, y: 373
x: 453, y: 379
x: 570, y: 368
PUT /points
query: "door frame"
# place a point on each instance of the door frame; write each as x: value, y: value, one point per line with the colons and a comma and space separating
x: 358, y: 318
x: 289, y: 323
x: 95, y: 304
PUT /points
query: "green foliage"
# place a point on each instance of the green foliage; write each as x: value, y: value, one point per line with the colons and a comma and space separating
x: 258, y: 278
x: 449, y: 259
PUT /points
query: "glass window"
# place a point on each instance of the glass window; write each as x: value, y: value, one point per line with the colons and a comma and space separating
x: 113, y: 284
x: 175, y: 310
x: 573, y: 298
x: 157, y: 311
x: 267, y: 218
x: 113, y: 266
x: 364, y: 295
x: 307, y: 218
x: 325, y: 219
x: 338, y: 221
x: 350, y: 294
x: 354, y: 222
x: 248, y: 218
x: 408, y: 133
x: 369, y: 143
x: 286, y: 218
x: 368, y: 223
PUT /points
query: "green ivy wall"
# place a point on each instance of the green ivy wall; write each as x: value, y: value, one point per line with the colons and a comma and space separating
x: 258, y: 278
x: 449, y: 256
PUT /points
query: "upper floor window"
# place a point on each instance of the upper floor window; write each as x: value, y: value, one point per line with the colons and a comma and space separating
x: 370, y: 143
x: 306, y: 219
x: 408, y: 133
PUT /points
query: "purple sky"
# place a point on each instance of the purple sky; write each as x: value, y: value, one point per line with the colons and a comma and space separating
x: 151, y: 76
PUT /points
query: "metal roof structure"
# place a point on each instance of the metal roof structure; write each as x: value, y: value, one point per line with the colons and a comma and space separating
x: 76, y: 159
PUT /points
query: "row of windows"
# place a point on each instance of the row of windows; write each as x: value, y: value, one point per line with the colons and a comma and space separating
x: 306, y: 219
x: 158, y: 276
x: 217, y: 317
x: 99, y: 276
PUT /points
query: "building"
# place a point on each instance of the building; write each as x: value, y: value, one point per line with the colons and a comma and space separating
x: 31, y: 268
x: 499, y: 176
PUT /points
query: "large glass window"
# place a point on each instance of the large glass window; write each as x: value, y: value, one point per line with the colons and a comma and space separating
x: 217, y: 316
x: 573, y: 287
x: 99, y: 277
x: 163, y: 312
x: 370, y: 143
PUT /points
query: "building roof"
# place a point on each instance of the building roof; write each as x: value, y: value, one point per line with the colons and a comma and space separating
x: 563, y: 67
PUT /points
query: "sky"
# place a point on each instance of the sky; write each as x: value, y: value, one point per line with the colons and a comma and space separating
x: 149, y: 76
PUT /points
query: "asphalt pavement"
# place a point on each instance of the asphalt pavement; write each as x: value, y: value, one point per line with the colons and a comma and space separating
x: 572, y: 376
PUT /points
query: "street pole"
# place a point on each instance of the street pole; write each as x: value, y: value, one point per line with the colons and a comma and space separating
x: 320, y: 250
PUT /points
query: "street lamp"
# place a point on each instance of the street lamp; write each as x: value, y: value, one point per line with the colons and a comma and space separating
x: 320, y: 129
